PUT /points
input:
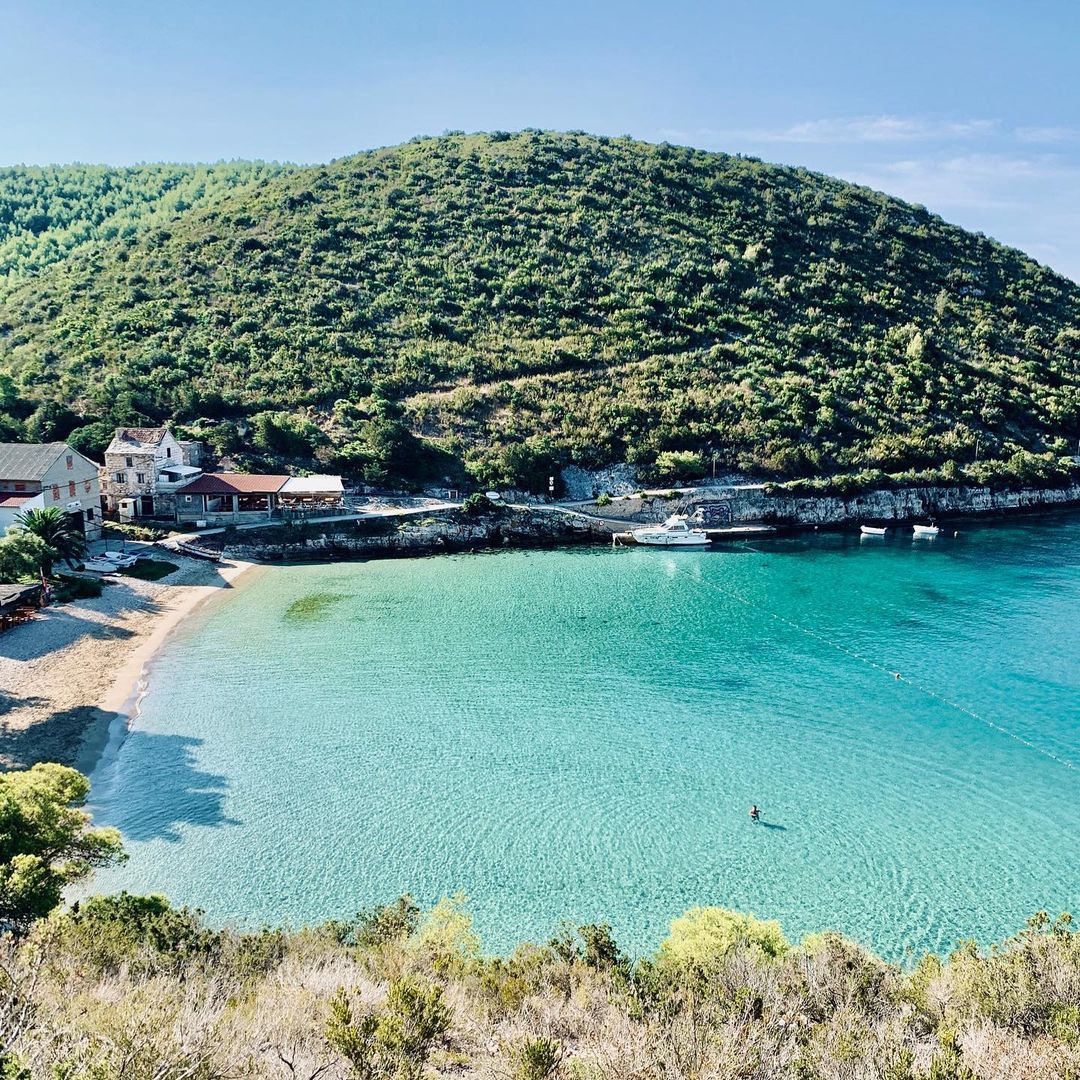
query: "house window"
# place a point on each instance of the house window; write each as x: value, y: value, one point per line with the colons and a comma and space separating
x: 129, y: 462
x: 56, y: 492
x: 90, y: 514
x: 86, y: 486
x: 140, y: 478
x: 70, y: 462
x: 120, y: 477
x: 19, y: 487
x: 168, y: 451
x: 71, y: 488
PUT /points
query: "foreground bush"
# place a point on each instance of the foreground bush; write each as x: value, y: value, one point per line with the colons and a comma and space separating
x: 132, y: 987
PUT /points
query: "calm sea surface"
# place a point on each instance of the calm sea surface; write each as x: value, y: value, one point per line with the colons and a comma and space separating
x: 578, y: 734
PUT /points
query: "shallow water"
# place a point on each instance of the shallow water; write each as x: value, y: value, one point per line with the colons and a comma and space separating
x: 578, y: 734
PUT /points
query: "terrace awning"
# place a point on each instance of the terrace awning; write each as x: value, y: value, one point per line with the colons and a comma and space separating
x: 313, y: 485
x: 13, y: 597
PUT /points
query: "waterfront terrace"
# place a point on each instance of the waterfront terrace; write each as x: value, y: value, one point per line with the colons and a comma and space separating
x: 237, y: 498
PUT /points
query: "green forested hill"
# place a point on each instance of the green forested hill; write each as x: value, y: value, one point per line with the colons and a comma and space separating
x: 48, y: 214
x: 522, y: 301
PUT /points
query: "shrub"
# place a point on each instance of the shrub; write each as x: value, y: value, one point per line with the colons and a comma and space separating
x: 143, y: 933
x: 395, y: 1043
x: 387, y: 922
x: 150, y: 569
x: 445, y: 936
x: 679, y: 465
x: 132, y: 531
x: 538, y: 1059
x: 70, y: 587
x: 705, y: 935
x: 46, y: 841
x: 477, y: 504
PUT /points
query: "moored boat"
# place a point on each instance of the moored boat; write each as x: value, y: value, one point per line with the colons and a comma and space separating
x: 872, y: 530
x: 675, y: 532
x: 925, y: 530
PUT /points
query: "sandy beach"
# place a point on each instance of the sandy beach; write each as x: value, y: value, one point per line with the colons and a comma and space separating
x: 66, y: 675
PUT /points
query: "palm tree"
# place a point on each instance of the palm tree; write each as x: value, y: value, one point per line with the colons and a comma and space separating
x: 57, y: 531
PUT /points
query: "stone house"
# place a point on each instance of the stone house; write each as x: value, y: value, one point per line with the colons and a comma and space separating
x: 34, y: 476
x: 144, y: 467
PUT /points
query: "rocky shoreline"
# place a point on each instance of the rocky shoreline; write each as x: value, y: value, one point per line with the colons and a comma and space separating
x: 760, y: 504
x: 445, y: 531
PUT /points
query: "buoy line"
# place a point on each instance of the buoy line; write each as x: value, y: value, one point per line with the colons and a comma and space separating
x: 870, y: 662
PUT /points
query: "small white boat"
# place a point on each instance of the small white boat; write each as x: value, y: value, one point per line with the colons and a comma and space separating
x: 675, y: 532
x: 120, y: 558
x: 925, y: 530
x: 100, y: 566
x: 872, y: 530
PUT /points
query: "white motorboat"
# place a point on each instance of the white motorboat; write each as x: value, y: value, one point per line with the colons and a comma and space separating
x: 872, y: 530
x: 120, y: 558
x: 100, y: 566
x: 675, y: 532
x: 925, y: 530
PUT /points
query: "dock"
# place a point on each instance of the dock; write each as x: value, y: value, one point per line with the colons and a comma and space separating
x: 741, y: 532
x: 725, y: 532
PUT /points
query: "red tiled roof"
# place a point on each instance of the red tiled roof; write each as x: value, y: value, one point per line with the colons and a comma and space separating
x: 234, y: 483
x: 15, y: 498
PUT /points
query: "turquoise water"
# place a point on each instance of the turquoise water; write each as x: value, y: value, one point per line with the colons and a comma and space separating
x: 578, y: 734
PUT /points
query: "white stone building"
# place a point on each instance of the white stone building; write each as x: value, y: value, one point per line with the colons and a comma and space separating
x: 144, y: 467
x: 38, y: 475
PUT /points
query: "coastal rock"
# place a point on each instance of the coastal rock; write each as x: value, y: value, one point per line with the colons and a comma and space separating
x: 442, y: 531
x: 752, y: 504
x: 619, y: 479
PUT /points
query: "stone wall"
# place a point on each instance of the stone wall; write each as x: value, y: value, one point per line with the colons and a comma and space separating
x: 443, y: 531
x: 615, y: 480
x: 142, y: 464
x: 747, y: 505
x: 450, y: 530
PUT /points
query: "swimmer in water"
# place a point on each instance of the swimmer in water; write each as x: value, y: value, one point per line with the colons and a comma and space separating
x: 755, y: 813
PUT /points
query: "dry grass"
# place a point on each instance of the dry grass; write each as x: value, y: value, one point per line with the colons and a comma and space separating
x: 257, y: 1007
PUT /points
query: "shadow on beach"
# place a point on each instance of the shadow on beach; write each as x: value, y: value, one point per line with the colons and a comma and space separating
x: 57, y: 737
x: 58, y: 627
x: 209, y: 574
x: 57, y: 630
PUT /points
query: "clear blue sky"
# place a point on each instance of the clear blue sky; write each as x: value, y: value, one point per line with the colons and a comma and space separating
x: 972, y: 108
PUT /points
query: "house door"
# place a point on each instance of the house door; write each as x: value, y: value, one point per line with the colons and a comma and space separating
x: 146, y: 506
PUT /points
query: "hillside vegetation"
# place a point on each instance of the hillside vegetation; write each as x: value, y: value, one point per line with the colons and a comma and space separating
x: 48, y: 214
x: 131, y: 987
x: 509, y: 303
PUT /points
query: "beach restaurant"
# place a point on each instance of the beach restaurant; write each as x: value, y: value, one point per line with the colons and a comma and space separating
x: 237, y: 498
x: 17, y: 604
